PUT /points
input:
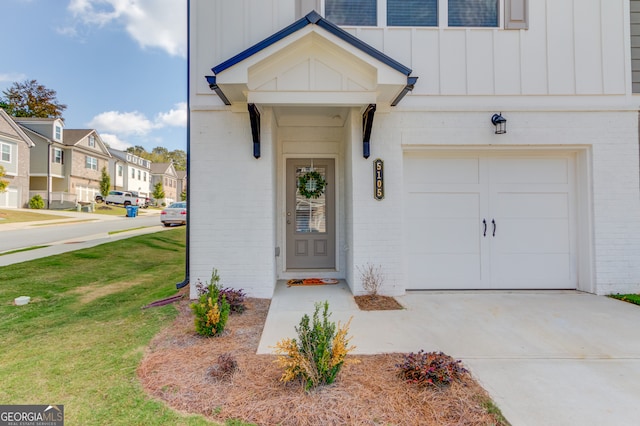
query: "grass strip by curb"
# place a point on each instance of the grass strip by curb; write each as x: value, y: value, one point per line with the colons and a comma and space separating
x: 22, y: 249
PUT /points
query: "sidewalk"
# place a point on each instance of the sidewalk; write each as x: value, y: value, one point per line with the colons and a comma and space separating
x: 67, y: 245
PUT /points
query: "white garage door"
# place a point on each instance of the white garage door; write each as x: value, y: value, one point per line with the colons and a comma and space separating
x: 490, y: 221
x: 9, y: 198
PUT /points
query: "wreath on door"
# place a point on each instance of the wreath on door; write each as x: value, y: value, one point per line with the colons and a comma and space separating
x: 311, y: 184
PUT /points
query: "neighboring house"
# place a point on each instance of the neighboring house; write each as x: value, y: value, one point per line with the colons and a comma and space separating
x: 182, y: 183
x: 165, y: 173
x: 87, y: 155
x: 130, y: 173
x: 15, y: 147
x: 49, y: 170
x: 391, y: 103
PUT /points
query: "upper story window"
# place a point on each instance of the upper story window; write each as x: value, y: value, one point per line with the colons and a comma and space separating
x: 144, y: 176
x: 133, y: 173
x: 351, y: 12
x: 5, y: 152
x: 91, y: 163
x: 58, y: 133
x: 119, y: 170
x: 92, y: 140
x: 139, y: 175
x: 416, y: 13
x: 57, y: 156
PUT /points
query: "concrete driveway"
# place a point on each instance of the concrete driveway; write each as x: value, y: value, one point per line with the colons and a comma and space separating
x: 546, y: 357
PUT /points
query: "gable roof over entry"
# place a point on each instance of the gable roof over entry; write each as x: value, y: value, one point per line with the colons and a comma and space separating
x: 311, y: 62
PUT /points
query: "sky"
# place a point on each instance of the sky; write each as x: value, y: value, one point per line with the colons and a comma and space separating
x: 119, y: 65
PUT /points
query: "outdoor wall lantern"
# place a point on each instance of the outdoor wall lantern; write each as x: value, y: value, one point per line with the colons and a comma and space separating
x: 500, y: 122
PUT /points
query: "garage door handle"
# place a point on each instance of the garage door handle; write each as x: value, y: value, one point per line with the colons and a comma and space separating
x: 484, y: 222
x: 494, y: 226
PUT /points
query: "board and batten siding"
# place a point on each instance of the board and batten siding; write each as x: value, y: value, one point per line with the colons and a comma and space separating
x: 635, y: 45
x: 569, y: 47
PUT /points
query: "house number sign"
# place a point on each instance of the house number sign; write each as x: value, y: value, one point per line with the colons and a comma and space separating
x: 378, y: 179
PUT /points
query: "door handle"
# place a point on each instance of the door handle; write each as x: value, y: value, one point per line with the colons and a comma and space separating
x: 494, y: 226
x: 484, y: 222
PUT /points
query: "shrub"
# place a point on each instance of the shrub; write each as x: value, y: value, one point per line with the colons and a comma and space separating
x: 372, y: 278
x: 318, y: 354
x: 235, y: 297
x: 224, y: 368
x: 211, y: 310
x: 430, y: 369
x: 36, y: 202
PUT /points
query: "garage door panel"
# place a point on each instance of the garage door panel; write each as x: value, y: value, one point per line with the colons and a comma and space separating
x: 540, y: 271
x: 421, y: 170
x: 530, y: 170
x: 531, y: 200
x: 532, y: 205
x: 525, y: 236
x: 425, y: 206
x: 445, y: 236
x: 445, y: 271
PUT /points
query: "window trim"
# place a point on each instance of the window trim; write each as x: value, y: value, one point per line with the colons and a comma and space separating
x: 90, y: 161
x: 2, y: 152
x: 519, y: 8
x: 56, y: 157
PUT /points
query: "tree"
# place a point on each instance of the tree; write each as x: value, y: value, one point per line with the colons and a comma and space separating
x: 158, y: 191
x: 183, y: 196
x: 179, y: 158
x: 161, y: 154
x: 31, y: 99
x: 105, y: 182
x: 3, y: 183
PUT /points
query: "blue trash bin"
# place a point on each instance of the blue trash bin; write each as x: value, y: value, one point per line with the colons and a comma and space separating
x: 130, y: 212
x: 135, y: 211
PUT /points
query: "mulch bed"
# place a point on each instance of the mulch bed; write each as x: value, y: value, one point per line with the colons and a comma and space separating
x: 178, y: 368
x: 372, y: 302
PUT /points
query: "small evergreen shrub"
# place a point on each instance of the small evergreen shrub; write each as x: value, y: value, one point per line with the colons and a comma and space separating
x: 430, y: 369
x: 211, y: 310
x: 235, y: 297
x: 318, y: 354
x: 36, y: 202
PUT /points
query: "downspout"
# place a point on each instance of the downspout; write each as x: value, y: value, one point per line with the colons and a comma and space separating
x: 185, y: 282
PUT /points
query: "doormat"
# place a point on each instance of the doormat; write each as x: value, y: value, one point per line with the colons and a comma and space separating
x: 312, y: 281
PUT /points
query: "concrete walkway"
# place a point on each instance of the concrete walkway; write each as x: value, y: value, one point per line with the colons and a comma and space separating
x: 546, y: 357
x: 73, y: 244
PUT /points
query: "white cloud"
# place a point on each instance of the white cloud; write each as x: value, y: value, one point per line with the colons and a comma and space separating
x: 152, y: 23
x: 112, y: 125
x: 124, y: 123
x: 114, y: 141
x: 175, y: 117
x: 12, y: 77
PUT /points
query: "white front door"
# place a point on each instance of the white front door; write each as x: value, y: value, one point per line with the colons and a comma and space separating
x: 310, y: 219
x: 482, y: 221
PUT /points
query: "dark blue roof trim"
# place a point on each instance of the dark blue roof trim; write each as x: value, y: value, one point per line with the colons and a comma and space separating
x: 411, y: 82
x: 359, y: 44
x: 312, y: 18
x: 214, y: 86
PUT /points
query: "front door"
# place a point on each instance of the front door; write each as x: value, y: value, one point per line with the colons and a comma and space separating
x: 310, y: 216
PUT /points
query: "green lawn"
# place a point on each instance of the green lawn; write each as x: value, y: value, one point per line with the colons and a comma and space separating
x: 10, y: 216
x: 81, y: 338
x: 631, y: 298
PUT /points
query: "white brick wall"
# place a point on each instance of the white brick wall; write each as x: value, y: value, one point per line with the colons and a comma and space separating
x: 231, y: 211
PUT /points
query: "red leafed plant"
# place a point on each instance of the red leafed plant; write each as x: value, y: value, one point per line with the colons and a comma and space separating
x: 430, y: 369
